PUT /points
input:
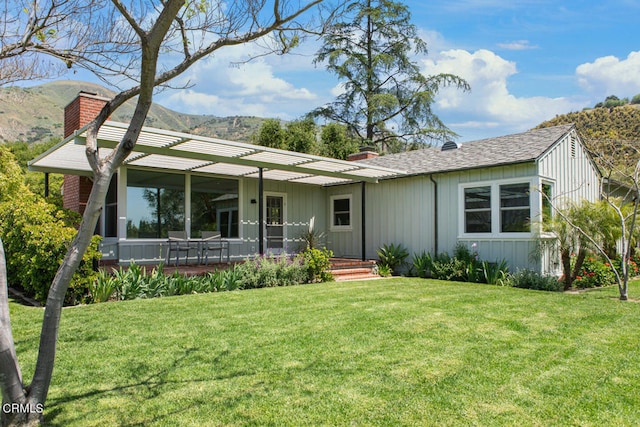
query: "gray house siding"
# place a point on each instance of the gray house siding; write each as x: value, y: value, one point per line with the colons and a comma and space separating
x: 515, y: 249
x: 569, y: 167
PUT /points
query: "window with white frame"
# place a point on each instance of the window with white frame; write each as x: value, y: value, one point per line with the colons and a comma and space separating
x: 496, y: 208
x: 341, y: 212
x: 547, y: 197
x: 515, y: 209
x: 477, y: 209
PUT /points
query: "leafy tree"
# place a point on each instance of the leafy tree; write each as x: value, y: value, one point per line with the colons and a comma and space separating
x: 270, y: 134
x: 635, y: 99
x: 386, y: 96
x: 128, y: 40
x: 336, y: 142
x: 11, y: 178
x: 24, y: 152
x: 300, y: 136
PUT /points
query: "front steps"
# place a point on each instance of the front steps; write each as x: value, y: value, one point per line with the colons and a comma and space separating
x: 344, y: 269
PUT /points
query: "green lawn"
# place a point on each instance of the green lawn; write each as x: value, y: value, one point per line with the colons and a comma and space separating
x: 385, y: 352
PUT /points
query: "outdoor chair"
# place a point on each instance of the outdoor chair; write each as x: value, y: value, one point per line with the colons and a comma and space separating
x: 178, y: 243
x: 212, y: 242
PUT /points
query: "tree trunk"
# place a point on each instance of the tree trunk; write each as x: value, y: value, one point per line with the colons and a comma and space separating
x: 566, y: 268
x: 582, y: 254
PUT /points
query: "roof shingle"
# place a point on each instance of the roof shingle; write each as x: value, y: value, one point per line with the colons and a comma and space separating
x: 503, y: 150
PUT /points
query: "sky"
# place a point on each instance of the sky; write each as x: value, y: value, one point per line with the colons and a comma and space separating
x: 526, y: 61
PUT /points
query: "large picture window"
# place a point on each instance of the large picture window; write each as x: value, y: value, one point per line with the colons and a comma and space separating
x: 214, y: 206
x: 155, y: 204
x: 515, y: 212
x: 477, y: 210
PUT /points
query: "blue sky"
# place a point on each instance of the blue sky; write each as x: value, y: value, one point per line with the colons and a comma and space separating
x: 527, y: 61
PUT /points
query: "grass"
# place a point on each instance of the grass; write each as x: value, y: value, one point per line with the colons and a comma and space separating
x: 386, y: 352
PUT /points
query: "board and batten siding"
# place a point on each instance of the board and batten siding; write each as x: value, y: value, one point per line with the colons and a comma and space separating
x: 569, y: 168
x: 516, y: 250
x: 398, y: 211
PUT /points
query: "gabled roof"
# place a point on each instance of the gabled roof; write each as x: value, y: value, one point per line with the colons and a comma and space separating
x: 176, y: 151
x: 503, y: 150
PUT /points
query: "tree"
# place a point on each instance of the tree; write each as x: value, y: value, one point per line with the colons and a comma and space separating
x: 145, y: 44
x: 611, y: 222
x: 42, y: 39
x: 386, y: 96
x: 298, y: 135
x: 336, y: 142
x: 270, y: 134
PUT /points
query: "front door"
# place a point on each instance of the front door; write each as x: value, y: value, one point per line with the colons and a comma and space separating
x: 275, y: 219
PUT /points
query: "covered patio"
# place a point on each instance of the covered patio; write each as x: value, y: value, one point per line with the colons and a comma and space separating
x: 258, y: 199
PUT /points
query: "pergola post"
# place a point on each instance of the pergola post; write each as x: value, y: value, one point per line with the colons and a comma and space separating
x: 260, y: 213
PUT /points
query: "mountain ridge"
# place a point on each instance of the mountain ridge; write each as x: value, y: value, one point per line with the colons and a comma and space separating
x: 36, y: 114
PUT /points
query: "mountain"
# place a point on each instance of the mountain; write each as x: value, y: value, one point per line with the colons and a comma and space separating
x: 612, y: 135
x: 621, y: 122
x: 35, y: 114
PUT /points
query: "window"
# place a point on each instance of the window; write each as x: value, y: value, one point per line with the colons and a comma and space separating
x: 111, y: 209
x: 341, y: 212
x: 495, y: 208
x: 515, y: 213
x: 547, y: 197
x: 155, y: 204
x: 477, y: 210
x: 214, y: 206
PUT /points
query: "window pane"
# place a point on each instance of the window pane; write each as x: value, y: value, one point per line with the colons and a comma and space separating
x: 515, y: 221
x: 477, y: 198
x: 477, y: 206
x: 547, y: 196
x: 342, y: 212
x: 341, y: 205
x: 155, y: 204
x: 514, y: 208
x: 478, y: 222
x: 214, y: 206
x: 514, y: 195
x: 111, y: 209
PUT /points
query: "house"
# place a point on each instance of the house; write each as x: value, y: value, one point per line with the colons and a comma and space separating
x: 485, y: 193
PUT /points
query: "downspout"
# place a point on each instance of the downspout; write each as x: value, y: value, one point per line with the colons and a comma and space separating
x: 435, y: 214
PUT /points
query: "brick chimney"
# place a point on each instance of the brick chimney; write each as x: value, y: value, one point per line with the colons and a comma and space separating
x: 363, y: 154
x: 84, y: 108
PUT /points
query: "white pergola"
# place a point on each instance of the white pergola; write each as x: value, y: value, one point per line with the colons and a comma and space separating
x: 163, y: 150
x: 175, y: 151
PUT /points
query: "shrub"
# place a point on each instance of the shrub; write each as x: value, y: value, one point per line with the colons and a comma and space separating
x: 36, y: 236
x: 271, y: 271
x: 134, y: 282
x: 495, y: 273
x: 384, y: 270
x: 422, y: 264
x: 529, y: 279
x: 317, y: 263
x: 595, y: 273
x: 393, y: 256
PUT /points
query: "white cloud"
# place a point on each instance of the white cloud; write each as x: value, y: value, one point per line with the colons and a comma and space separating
x: 489, y: 105
x: 609, y: 75
x: 228, y: 85
x: 517, y: 45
